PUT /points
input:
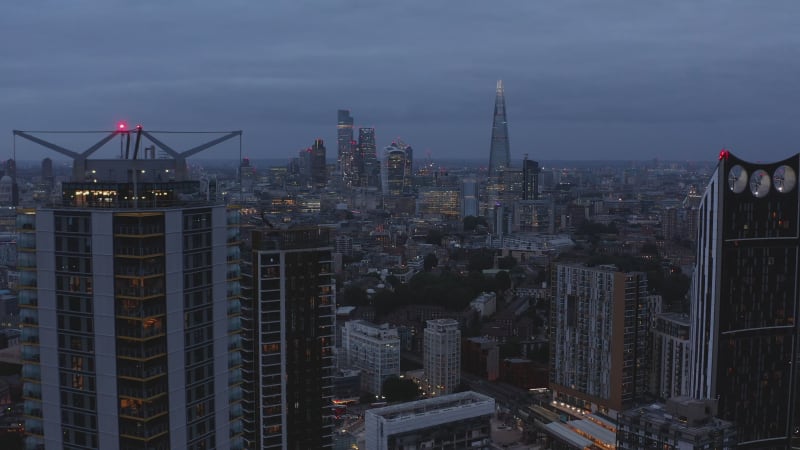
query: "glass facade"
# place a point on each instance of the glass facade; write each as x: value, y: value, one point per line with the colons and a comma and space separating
x: 499, y: 151
x: 141, y: 330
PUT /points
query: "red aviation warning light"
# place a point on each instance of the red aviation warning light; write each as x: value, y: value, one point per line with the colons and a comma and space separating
x: 723, y: 154
x: 122, y: 126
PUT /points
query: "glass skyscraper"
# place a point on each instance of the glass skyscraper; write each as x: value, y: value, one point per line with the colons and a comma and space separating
x: 500, y: 151
x: 368, y: 165
x: 344, y: 140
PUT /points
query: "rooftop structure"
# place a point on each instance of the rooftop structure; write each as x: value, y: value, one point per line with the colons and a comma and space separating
x: 112, y: 282
x: 680, y: 423
x: 461, y: 420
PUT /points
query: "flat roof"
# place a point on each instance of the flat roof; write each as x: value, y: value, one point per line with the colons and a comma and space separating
x: 563, y: 432
x: 593, y: 429
x: 427, y: 405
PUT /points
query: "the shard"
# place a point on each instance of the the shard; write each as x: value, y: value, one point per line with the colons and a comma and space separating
x: 500, y: 153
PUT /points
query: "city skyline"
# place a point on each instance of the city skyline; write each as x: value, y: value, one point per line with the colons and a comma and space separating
x: 612, y: 81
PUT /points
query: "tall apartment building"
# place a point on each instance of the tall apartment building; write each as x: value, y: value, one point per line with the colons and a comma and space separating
x: 373, y: 349
x: 129, y: 290
x: 288, y: 311
x: 745, y: 300
x: 598, y: 337
x: 671, y: 355
x: 442, y: 356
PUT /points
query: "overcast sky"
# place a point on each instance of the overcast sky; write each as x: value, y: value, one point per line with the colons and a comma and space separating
x: 584, y: 80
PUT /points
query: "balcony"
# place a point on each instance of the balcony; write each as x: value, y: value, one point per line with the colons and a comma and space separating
x: 138, y: 252
x: 139, y: 292
x: 141, y: 391
x: 28, y: 298
x: 142, y: 352
x: 141, y: 372
x: 135, y: 409
x: 139, y: 432
x: 30, y: 353
x: 140, y: 310
x: 139, y: 230
x: 147, y: 331
x: 137, y: 271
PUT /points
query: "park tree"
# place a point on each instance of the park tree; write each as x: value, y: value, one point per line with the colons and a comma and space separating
x: 503, y: 280
x: 430, y: 262
x: 397, y: 389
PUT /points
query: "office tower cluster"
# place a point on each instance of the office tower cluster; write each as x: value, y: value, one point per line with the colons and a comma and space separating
x: 358, y: 162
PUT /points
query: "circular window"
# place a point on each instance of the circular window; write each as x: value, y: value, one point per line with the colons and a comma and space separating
x: 759, y: 183
x: 737, y: 179
x: 784, y: 179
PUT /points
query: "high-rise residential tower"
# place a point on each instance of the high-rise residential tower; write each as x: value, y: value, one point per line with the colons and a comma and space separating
x: 499, y: 151
x: 344, y: 141
x: 745, y: 300
x: 287, y: 327
x: 129, y: 295
x: 598, y: 337
x: 442, y: 356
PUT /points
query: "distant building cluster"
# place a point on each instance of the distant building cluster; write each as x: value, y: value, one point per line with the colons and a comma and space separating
x: 387, y: 300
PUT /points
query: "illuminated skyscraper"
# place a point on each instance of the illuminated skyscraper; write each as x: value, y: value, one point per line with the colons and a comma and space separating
x: 344, y: 140
x: 745, y: 300
x: 500, y: 151
x: 396, y: 176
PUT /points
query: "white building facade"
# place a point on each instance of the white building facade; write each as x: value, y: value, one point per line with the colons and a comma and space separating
x: 442, y: 358
x: 374, y: 350
x: 671, y: 355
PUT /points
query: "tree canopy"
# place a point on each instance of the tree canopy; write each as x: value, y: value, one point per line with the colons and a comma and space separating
x: 397, y: 389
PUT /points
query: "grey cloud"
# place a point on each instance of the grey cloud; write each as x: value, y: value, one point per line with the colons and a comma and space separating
x: 620, y: 78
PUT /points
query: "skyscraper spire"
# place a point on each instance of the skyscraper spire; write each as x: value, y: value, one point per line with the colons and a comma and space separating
x: 500, y: 152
